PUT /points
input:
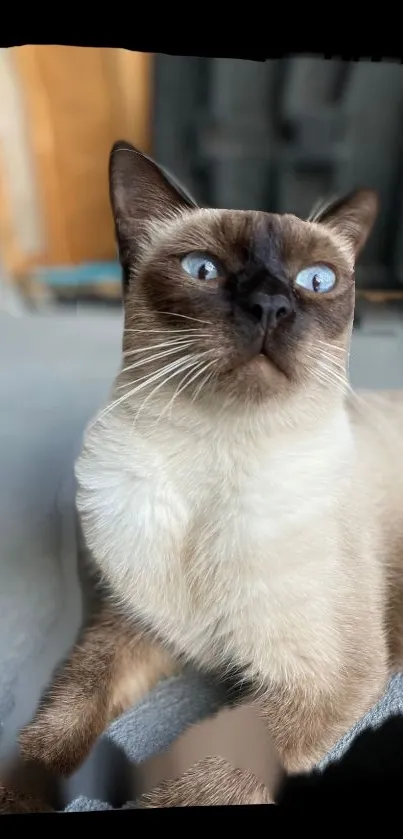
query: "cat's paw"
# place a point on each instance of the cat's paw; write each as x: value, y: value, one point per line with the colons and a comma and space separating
x: 210, y: 782
x: 13, y: 802
x: 54, y: 742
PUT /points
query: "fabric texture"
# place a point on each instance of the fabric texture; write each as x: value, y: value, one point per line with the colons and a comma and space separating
x: 176, y: 703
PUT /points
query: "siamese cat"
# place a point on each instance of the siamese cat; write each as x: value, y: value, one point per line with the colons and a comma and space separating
x: 242, y: 506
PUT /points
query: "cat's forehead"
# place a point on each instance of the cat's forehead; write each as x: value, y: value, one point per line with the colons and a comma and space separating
x: 235, y: 236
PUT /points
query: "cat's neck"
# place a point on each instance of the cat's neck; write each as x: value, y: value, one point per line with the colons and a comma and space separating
x: 209, y: 430
x: 301, y: 415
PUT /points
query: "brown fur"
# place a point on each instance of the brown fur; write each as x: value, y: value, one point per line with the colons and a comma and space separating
x: 111, y: 667
x: 116, y: 663
x: 15, y: 802
x: 162, y: 287
x: 210, y: 782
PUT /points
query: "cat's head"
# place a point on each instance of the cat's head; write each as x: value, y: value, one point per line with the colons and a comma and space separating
x: 249, y: 304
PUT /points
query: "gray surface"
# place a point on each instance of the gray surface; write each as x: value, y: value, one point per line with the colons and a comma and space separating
x: 125, y: 731
x: 54, y: 371
x: 377, y: 348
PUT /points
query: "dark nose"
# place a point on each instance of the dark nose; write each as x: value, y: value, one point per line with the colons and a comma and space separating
x: 270, y: 309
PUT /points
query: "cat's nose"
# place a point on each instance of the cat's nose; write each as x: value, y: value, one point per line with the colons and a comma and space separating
x: 270, y: 309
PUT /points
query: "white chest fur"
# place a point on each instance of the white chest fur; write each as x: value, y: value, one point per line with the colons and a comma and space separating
x: 224, y: 543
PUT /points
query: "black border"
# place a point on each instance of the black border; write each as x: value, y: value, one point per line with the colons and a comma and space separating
x: 244, y: 43
x: 364, y: 791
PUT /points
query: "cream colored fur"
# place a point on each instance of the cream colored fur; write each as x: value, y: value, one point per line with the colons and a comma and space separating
x: 255, y: 535
x: 240, y: 545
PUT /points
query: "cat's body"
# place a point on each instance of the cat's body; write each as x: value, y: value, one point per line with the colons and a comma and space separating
x: 239, y: 548
x: 236, y: 547
x: 242, y: 507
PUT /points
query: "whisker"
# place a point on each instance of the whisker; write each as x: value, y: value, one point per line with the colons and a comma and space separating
x: 334, y: 374
x: 200, y: 373
x: 204, y: 381
x: 335, y: 362
x: 176, y: 372
x: 323, y: 365
x: 177, y: 343
x: 330, y: 351
x: 324, y: 355
x: 187, y: 317
x: 328, y: 344
x: 151, y: 377
x: 183, y: 331
x: 181, y: 386
x: 328, y: 373
x: 144, y: 382
x: 155, y: 357
x: 186, y: 381
x: 324, y: 376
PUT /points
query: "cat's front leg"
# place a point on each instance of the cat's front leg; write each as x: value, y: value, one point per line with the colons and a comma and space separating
x: 211, y: 782
x: 304, y: 722
x: 112, y: 666
x: 13, y: 802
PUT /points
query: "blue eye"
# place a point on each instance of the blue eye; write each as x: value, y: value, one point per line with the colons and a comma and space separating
x: 317, y: 278
x: 201, y: 266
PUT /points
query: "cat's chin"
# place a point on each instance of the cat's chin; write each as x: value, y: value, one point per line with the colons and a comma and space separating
x: 266, y: 367
x: 256, y: 380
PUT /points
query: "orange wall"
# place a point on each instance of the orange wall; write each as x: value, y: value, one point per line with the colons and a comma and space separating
x: 77, y: 102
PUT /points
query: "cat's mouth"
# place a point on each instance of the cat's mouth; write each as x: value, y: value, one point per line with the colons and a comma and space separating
x: 264, y: 360
x: 266, y: 355
x: 269, y: 359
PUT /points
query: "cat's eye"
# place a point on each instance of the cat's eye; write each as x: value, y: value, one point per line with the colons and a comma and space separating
x: 201, y: 266
x: 316, y: 278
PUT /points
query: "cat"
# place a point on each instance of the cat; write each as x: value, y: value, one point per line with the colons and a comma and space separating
x: 241, y: 505
x: 370, y: 770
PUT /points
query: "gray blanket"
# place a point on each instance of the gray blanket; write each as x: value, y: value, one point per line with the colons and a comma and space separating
x: 176, y: 703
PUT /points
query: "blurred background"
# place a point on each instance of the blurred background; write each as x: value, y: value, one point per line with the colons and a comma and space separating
x: 275, y: 136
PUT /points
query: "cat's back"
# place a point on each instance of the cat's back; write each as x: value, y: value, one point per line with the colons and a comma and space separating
x: 388, y: 403
x: 377, y: 422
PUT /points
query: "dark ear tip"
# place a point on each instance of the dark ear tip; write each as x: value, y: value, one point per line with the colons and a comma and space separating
x: 368, y: 194
x: 361, y: 200
x: 121, y: 145
x: 367, y: 198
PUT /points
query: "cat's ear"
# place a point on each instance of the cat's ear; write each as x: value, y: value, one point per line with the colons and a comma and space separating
x: 140, y: 191
x: 352, y: 217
